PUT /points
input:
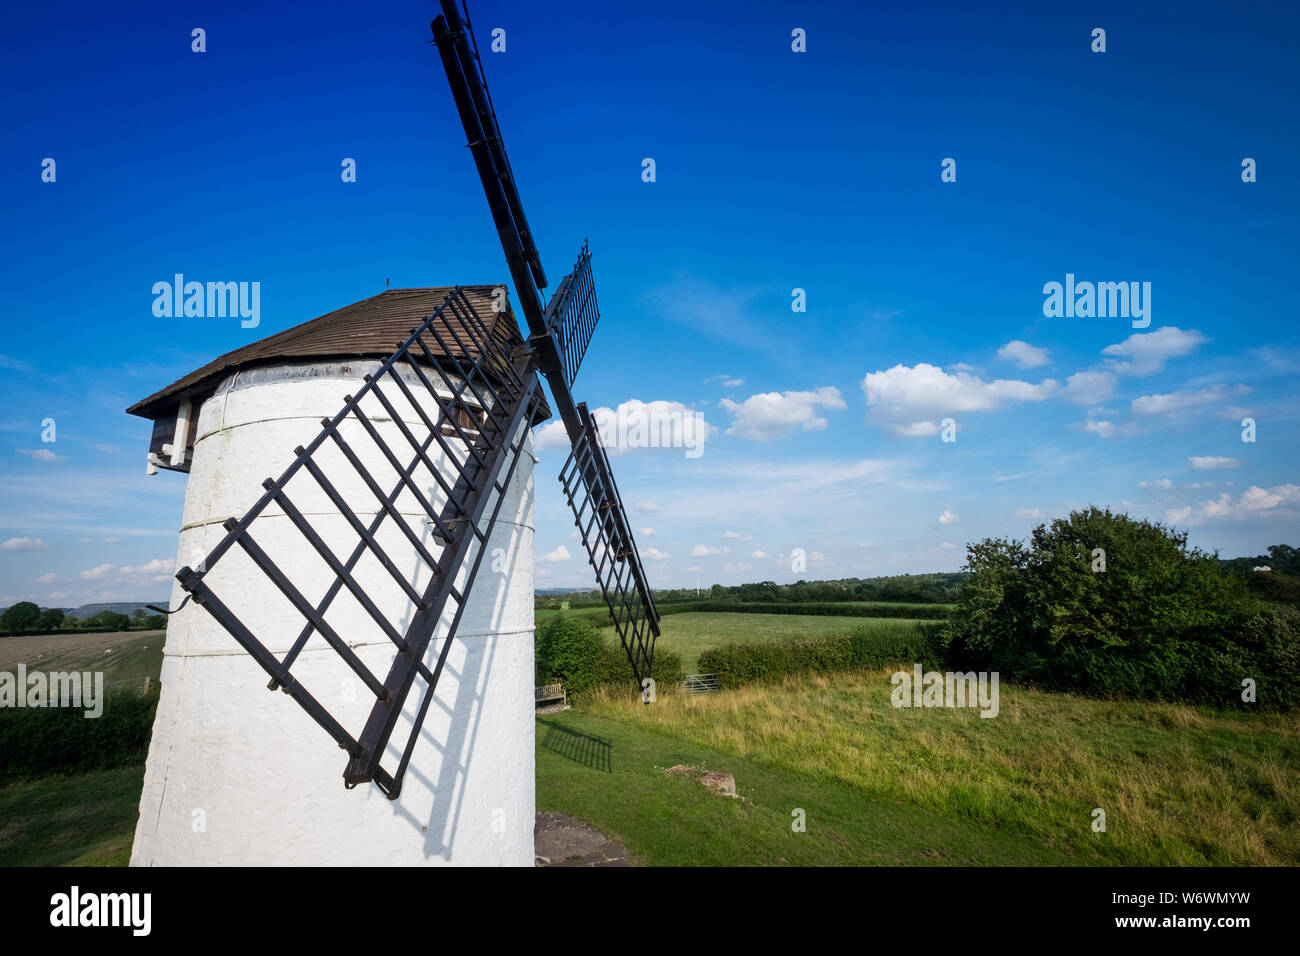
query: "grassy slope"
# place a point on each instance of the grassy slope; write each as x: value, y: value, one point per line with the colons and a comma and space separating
x: 610, y: 772
x: 83, y: 820
x: 689, y: 634
x: 1180, y: 785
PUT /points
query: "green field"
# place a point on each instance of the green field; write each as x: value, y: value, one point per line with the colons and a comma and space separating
x: 1180, y: 785
x: 689, y: 634
x: 123, y: 656
x: 82, y: 820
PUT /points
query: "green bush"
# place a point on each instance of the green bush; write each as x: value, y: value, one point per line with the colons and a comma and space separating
x: 36, y: 741
x: 571, y: 649
x: 568, y: 648
x: 1162, y: 621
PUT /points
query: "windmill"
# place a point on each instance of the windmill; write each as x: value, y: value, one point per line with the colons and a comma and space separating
x: 371, y: 540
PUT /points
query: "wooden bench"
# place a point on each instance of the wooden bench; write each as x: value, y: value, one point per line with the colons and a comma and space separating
x: 549, y: 694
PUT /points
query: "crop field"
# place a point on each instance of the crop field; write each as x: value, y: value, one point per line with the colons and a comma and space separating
x: 689, y: 634
x: 122, y: 656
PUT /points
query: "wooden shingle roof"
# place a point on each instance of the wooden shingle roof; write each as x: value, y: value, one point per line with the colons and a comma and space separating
x: 371, y: 327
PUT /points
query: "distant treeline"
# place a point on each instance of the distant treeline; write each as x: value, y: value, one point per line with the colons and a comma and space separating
x: 940, y: 588
x: 26, y: 618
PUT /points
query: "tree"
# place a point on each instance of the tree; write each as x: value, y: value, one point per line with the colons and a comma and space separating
x: 118, y: 622
x: 155, y: 622
x: 50, y: 620
x: 138, y: 614
x: 1103, y: 603
x: 21, y: 617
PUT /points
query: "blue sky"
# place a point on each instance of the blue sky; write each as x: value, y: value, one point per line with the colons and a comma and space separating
x: 775, y: 170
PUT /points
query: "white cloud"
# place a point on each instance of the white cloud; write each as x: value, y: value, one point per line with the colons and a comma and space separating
x: 730, y: 536
x: 40, y: 454
x: 948, y: 546
x: 1032, y: 514
x: 112, y: 540
x: 1160, y: 484
x: 635, y: 424
x: 654, y: 554
x: 759, y: 554
x: 910, y: 399
x: 56, y: 595
x: 646, y: 507
x: 1089, y: 388
x: 1109, y: 429
x: 559, y: 554
x: 1214, y: 463
x: 948, y: 517
x: 1023, y: 354
x: 1181, y: 400
x: 1147, y: 352
x: 726, y: 381
x: 23, y: 544
x: 704, y: 551
x: 770, y: 415
x: 916, y: 430
x: 695, y: 567
x: 648, y: 532
x: 46, y: 578
x: 1254, y: 502
x: 97, y: 573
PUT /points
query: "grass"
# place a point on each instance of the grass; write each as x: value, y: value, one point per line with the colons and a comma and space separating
x: 82, y: 820
x: 121, y: 655
x: 689, y: 634
x: 1180, y: 785
x: 609, y: 772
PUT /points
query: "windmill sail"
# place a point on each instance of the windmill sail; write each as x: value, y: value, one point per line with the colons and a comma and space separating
x: 559, y: 339
x: 460, y: 379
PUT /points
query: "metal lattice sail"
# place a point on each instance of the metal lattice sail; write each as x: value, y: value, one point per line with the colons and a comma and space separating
x: 471, y: 386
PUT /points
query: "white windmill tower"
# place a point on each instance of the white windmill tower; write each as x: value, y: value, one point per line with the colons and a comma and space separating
x: 393, y: 552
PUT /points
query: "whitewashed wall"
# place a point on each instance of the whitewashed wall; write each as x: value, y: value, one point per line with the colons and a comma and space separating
x: 238, y: 774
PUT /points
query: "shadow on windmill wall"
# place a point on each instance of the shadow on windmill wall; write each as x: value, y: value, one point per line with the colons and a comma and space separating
x: 465, y: 705
x: 582, y: 748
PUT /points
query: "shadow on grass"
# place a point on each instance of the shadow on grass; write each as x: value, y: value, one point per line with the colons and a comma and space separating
x: 582, y: 748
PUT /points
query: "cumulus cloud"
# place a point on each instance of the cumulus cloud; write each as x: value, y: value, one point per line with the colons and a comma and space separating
x: 759, y: 554
x: 1279, y: 501
x: 1213, y: 463
x: 97, y: 573
x: 1032, y: 514
x: 1159, y: 484
x: 1145, y: 353
x: 646, y: 507
x: 704, y: 551
x: 910, y: 399
x: 635, y: 424
x: 1181, y: 400
x: 770, y: 415
x: 1089, y: 388
x: 1109, y: 429
x: 22, y: 544
x: 1023, y: 354
x: 654, y: 554
x: 948, y: 517
x: 46, y: 578
x: 648, y: 532
x: 559, y: 554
